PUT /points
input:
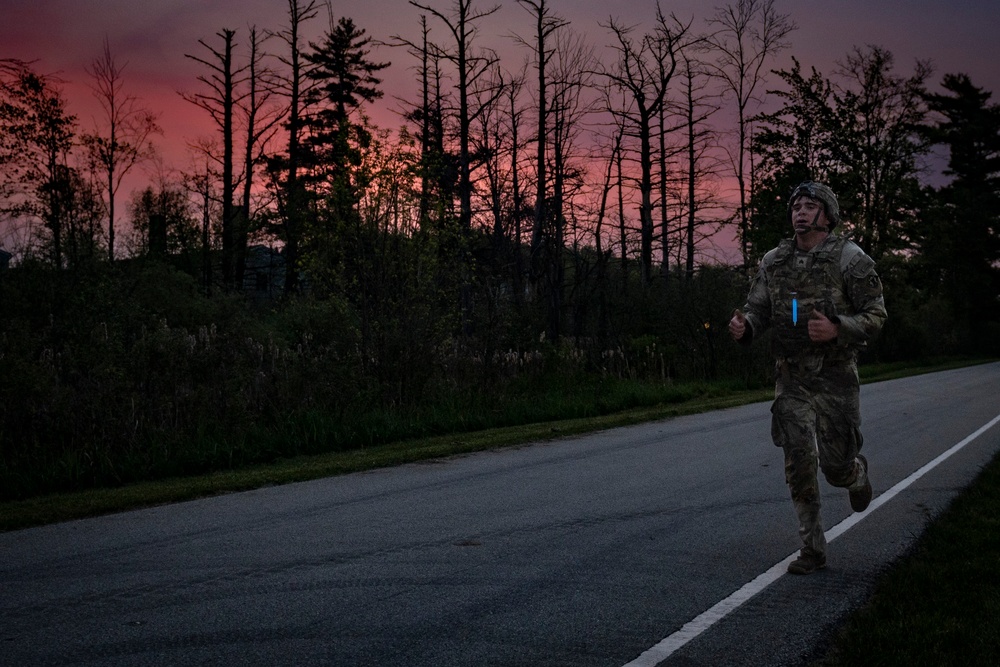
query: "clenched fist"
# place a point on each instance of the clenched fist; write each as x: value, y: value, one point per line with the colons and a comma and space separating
x: 821, y: 328
x: 738, y: 325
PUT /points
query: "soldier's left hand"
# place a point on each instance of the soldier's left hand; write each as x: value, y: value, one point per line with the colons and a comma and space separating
x: 821, y: 329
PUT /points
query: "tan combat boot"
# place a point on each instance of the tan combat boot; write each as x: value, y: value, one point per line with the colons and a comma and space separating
x: 806, y: 564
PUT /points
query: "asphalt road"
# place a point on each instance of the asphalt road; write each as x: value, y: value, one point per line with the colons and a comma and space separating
x: 582, y: 551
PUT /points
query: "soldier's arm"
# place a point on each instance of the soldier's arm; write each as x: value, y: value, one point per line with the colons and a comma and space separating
x: 758, y: 307
x: 864, y: 289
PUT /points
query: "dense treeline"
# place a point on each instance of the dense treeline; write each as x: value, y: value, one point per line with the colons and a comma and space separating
x: 532, y: 244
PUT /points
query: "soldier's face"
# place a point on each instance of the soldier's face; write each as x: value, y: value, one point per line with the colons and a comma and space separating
x: 808, y: 214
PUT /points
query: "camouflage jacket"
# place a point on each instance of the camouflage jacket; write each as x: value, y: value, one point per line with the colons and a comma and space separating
x: 836, y: 277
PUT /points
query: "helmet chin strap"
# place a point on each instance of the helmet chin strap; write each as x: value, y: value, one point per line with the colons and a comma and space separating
x: 816, y: 226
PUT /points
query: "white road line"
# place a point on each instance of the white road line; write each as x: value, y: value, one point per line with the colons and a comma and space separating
x: 701, y: 623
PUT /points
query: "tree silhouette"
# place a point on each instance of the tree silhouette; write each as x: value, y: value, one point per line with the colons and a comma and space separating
x: 643, y: 70
x: 223, y: 81
x: 877, y: 146
x: 36, y: 135
x: 960, y: 242
x: 124, y: 138
x: 748, y: 34
x: 793, y: 144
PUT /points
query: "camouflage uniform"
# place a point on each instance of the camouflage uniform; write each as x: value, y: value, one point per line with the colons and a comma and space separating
x: 816, y: 415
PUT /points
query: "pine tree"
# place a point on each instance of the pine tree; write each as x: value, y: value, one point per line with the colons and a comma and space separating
x: 345, y: 78
x: 960, y: 239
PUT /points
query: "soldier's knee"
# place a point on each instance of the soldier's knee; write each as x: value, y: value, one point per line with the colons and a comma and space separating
x: 791, y: 423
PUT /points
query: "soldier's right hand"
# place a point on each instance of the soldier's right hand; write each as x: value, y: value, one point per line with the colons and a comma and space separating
x: 738, y: 325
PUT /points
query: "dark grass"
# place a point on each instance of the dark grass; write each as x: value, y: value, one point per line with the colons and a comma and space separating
x: 315, y: 444
x: 940, y: 605
x: 387, y: 439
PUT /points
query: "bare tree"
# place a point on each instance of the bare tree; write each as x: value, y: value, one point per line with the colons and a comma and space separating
x: 546, y: 23
x: 285, y: 170
x: 696, y: 107
x: 665, y: 155
x: 513, y: 90
x: 428, y: 118
x: 499, y: 144
x: 749, y: 33
x: 123, y: 138
x: 492, y: 145
x: 644, y: 69
x: 603, y: 256
x: 261, y: 118
x: 220, y: 102
x: 437, y: 168
x: 570, y: 78
x: 607, y: 185
x: 618, y: 155
x: 471, y: 66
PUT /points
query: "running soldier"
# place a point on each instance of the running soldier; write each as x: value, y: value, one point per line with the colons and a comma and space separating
x: 820, y: 294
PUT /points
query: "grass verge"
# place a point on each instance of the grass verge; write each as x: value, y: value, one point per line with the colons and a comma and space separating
x: 69, y: 506
x: 78, y: 505
x: 939, y: 606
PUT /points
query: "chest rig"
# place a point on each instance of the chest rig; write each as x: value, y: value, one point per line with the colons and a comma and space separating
x: 799, y: 283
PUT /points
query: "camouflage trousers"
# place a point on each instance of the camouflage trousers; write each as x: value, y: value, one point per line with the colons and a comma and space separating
x: 816, y: 419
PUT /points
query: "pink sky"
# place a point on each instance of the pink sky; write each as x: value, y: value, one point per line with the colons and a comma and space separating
x: 153, y: 36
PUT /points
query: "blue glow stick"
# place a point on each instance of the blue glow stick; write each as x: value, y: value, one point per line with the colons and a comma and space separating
x: 795, y: 311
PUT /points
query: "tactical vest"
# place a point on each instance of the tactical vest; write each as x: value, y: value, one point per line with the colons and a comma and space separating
x: 801, y: 282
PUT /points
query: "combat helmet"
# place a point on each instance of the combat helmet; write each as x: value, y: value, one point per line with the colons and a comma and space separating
x: 820, y: 193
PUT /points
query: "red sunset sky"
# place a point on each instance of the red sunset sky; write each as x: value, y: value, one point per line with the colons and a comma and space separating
x: 152, y: 37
